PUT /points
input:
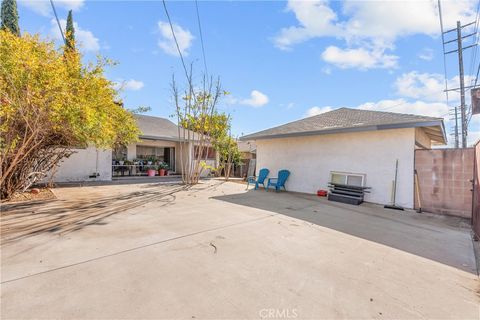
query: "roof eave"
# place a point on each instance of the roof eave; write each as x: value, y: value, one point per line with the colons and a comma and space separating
x: 431, y: 123
x: 173, y: 139
x: 147, y: 137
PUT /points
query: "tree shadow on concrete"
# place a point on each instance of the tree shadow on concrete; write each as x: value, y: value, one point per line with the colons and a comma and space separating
x: 439, y: 238
x: 60, y: 217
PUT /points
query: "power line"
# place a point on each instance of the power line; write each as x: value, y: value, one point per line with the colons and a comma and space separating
x: 175, y: 38
x: 475, y: 40
x: 58, y: 22
x: 396, y: 105
x: 445, y: 70
x: 476, y: 35
x: 444, y: 56
x: 201, y: 39
x: 459, y: 50
x: 477, y: 19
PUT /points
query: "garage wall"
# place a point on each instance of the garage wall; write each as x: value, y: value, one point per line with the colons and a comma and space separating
x: 80, y: 165
x: 310, y: 160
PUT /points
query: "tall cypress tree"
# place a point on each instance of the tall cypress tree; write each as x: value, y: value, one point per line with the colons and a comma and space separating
x: 9, y: 16
x: 70, y: 32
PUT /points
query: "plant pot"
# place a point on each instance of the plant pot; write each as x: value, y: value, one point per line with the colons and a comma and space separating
x: 151, y: 172
x: 121, y: 162
x: 162, y: 172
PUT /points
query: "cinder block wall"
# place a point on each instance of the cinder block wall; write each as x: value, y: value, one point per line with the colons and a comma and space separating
x: 445, y: 181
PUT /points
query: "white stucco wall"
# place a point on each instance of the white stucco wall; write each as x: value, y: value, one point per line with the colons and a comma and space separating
x: 310, y: 160
x: 83, y: 163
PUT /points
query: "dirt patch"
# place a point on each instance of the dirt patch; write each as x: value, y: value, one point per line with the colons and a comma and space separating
x: 43, y: 194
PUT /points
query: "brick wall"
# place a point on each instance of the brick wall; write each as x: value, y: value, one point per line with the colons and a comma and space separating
x: 445, y: 180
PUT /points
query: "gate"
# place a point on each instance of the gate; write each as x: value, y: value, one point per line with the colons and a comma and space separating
x: 476, y: 193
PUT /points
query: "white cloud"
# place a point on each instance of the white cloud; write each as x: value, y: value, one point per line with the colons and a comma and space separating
x: 374, y: 19
x: 370, y: 20
x: 428, y: 86
x: 167, y: 41
x: 426, y: 54
x: 316, y: 19
x: 290, y: 105
x: 327, y: 70
x: 230, y: 100
x: 257, y: 99
x: 313, y: 111
x: 359, y: 58
x: 421, y: 86
x: 131, y: 84
x: 85, y: 39
x: 418, y: 107
x: 371, y: 25
x: 44, y: 7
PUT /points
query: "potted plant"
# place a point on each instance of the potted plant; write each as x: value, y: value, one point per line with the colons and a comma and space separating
x: 162, y: 168
x: 150, y: 160
x: 151, y: 171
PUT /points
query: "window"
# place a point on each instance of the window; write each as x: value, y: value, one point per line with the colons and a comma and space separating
x: 351, y: 179
x: 148, y: 152
x: 207, y: 151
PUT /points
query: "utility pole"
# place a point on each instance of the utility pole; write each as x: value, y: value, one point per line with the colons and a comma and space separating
x: 462, y: 85
x: 459, y: 50
x: 456, y: 127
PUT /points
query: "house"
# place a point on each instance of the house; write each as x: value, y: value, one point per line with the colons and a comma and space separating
x: 248, y: 149
x: 158, y: 142
x: 248, y: 154
x: 353, y: 146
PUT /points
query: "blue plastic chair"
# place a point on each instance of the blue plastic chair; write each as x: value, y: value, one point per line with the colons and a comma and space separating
x: 278, y: 182
x: 262, y: 175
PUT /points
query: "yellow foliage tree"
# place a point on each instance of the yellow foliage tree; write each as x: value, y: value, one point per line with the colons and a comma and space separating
x: 50, y: 103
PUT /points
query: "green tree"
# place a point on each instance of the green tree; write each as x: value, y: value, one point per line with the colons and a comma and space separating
x: 199, y: 124
x: 70, y: 33
x: 46, y: 109
x: 229, y: 154
x: 9, y: 17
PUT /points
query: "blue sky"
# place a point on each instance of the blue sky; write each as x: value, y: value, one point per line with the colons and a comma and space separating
x: 280, y: 60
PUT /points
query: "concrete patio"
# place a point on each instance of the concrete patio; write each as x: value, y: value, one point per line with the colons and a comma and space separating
x: 160, y: 250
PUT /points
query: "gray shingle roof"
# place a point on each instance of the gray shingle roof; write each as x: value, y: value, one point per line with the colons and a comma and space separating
x: 157, y: 128
x: 350, y: 120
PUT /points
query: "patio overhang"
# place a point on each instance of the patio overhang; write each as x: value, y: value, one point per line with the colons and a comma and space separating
x: 156, y: 138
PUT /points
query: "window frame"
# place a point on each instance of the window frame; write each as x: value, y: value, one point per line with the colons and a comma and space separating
x: 347, y: 174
